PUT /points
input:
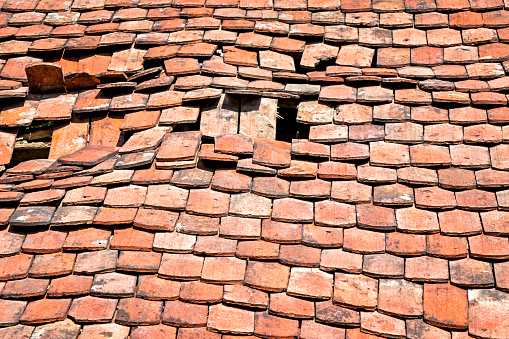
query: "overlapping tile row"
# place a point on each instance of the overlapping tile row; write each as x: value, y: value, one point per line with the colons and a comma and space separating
x: 153, y: 218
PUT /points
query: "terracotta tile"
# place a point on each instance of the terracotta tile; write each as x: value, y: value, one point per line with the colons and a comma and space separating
x: 154, y: 219
x: 117, y: 216
x: 299, y: 169
x: 165, y: 99
x: 217, y: 202
x: 49, y: 265
x: 276, y: 281
x: 240, y: 228
x: 157, y: 331
x: 91, y: 309
x: 180, y: 66
x: 350, y: 192
x: 135, y: 311
x: 45, y: 310
x: 376, y: 217
x: 404, y: 244
x: 130, y: 239
x: 242, y: 321
x: 434, y: 198
x: 174, y: 242
x: 355, y: 291
x: 455, y: 178
x: 197, y: 225
x: 282, y: 208
x: 328, y: 313
x: 383, y: 265
x: 200, y: 293
x: 181, y: 266
x: 223, y: 270
x: 96, y: 331
x: 166, y: 197
x: 151, y: 176
x: 494, y: 223
x: 310, y: 283
x: 32, y: 216
x: 96, y: 262
x: 481, y: 302
x: 282, y: 304
x: 184, y: 146
x: 437, y: 295
x: 215, y: 246
x: 140, y: 120
x: 71, y: 285
x: 230, y: 181
x: 415, y: 220
x: 42, y: 197
x: 137, y: 261
x: 268, y: 325
x: 257, y: 249
x: 181, y: 314
x: 84, y: 195
x: 113, y: 285
x: 476, y: 200
x: 471, y: 273
x: 330, y: 213
x: 11, y: 311
x: 153, y: 288
x: 25, y: 288
x: 381, y: 324
x: 20, y: 331
x: 406, y: 302
x: 44, y: 242
x: 314, y: 189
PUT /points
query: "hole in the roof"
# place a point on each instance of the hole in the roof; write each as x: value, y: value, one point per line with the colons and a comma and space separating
x: 287, y: 127
x: 33, y: 142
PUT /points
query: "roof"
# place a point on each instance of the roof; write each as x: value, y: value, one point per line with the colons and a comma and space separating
x: 173, y: 202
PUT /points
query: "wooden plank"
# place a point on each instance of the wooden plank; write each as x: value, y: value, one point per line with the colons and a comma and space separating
x: 220, y: 117
x: 68, y: 138
x: 258, y: 117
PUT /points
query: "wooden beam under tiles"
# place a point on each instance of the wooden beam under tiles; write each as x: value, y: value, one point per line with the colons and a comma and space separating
x: 68, y: 138
x: 221, y: 116
x: 258, y: 117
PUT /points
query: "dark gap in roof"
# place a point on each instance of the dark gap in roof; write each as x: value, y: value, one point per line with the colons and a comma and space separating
x: 287, y: 127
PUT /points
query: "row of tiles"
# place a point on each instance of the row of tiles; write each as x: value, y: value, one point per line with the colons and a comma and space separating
x: 312, y: 5
x: 390, y: 295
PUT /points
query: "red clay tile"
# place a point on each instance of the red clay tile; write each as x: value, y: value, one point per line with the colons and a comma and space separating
x: 471, y: 273
x: 110, y: 216
x: 436, y: 296
x: 54, y: 264
x: 132, y: 239
x: 299, y: 255
x: 11, y: 311
x: 356, y: 291
x: 153, y: 288
x: 333, y: 259
x: 281, y: 232
x: 476, y: 200
x: 181, y: 266
x: 446, y: 247
x: 414, y: 220
x: 383, y: 266
x: 45, y: 310
x: 94, y: 331
x: 239, y: 228
x: 223, y: 270
x: 113, y: 285
x: 284, y: 210
x: 135, y: 311
x: 328, y: 313
x: 381, y: 324
x: 282, y: 304
x: 267, y: 276
x: 480, y: 303
x: 363, y: 241
x: 201, y: 293
x: 241, y: 321
x: 494, y: 222
x: 458, y: 222
x: 266, y: 325
x: 156, y: 332
x: 400, y: 298
x: 217, y: 203
x: 44, y: 242
x: 488, y: 247
x: 244, y: 296
x: 71, y: 285
x: 434, y: 198
x: 137, y: 261
x: 92, y: 309
x: 25, y: 288
x: 96, y: 262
